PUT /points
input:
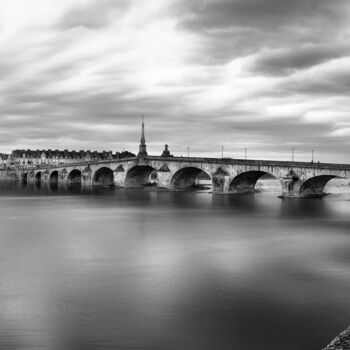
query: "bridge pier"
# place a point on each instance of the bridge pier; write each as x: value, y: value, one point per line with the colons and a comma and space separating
x: 119, y: 175
x: 291, y: 184
x: 220, y: 184
x: 45, y: 176
x: 86, y: 181
x: 290, y: 189
x: 62, y: 178
x: 163, y: 179
x: 31, y: 177
x: 86, y: 177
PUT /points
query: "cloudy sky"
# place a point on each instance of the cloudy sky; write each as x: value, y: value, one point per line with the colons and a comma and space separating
x: 268, y: 75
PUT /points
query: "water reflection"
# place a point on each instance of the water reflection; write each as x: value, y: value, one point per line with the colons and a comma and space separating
x: 102, y: 268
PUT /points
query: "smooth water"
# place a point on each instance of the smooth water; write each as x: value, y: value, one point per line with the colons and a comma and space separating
x: 126, y: 269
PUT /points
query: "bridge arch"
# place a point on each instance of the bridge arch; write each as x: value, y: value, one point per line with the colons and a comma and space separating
x: 314, y: 187
x: 74, y: 177
x: 139, y: 176
x: 38, y: 177
x: 246, y: 181
x: 186, y: 178
x: 54, y: 176
x: 25, y: 178
x: 103, y: 177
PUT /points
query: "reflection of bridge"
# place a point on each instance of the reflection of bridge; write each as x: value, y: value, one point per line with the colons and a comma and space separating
x: 298, y: 179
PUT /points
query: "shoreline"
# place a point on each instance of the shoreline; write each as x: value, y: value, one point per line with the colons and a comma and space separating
x: 341, y: 342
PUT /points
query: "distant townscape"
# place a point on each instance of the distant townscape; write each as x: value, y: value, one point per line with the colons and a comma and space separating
x: 36, y: 158
x: 23, y: 159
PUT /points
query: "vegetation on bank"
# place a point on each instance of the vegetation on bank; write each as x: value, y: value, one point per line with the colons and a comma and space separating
x: 341, y: 342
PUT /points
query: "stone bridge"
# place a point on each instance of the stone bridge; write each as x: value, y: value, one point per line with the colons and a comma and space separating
x: 298, y: 179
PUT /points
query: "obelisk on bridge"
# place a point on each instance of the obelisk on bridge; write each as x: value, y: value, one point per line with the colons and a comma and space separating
x: 142, y: 147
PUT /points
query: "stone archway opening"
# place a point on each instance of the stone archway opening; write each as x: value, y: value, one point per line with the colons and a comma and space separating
x: 74, y: 177
x: 154, y: 176
x: 252, y: 181
x: 141, y: 176
x: 190, y: 178
x: 38, y: 178
x: 103, y: 177
x: 25, y: 178
x: 315, y: 186
x: 268, y: 183
x: 54, y: 177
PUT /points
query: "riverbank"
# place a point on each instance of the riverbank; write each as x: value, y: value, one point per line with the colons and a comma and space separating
x: 341, y: 342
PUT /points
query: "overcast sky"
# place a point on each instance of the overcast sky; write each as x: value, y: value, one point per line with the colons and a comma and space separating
x: 268, y: 75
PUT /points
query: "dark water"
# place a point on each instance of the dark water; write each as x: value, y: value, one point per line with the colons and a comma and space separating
x: 117, y: 269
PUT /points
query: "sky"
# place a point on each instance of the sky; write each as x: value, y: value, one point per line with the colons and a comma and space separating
x: 265, y: 75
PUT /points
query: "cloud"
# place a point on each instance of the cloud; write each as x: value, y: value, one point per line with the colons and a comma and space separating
x: 243, y: 73
x: 289, y: 60
x: 231, y: 28
x: 209, y: 14
x: 329, y: 79
x: 94, y: 15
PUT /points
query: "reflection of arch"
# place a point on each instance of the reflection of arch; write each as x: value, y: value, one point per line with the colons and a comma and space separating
x: 103, y: 177
x: 245, y: 182
x: 54, y: 177
x: 139, y: 176
x: 315, y: 185
x: 38, y: 177
x: 185, y: 178
x: 74, y: 177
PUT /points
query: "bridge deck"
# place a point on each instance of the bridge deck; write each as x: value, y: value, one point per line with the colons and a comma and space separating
x: 219, y: 161
x: 235, y: 161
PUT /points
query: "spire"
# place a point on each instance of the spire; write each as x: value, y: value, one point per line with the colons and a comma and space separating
x: 142, y: 147
x: 143, y: 140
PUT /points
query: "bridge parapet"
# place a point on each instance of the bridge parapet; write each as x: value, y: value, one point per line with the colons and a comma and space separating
x: 252, y: 162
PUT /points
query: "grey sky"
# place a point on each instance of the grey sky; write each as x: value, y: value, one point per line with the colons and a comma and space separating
x: 263, y: 74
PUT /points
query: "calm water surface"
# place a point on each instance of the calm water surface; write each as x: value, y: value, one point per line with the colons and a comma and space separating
x: 118, y: 269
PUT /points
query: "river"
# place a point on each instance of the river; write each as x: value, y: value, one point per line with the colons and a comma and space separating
x: 128, y: 269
